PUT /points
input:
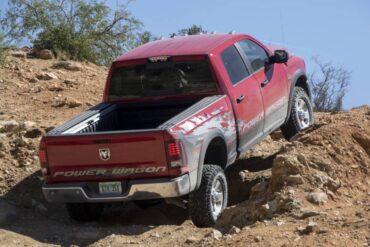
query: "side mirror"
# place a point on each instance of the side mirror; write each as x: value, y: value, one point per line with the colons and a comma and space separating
x: 280, y: 56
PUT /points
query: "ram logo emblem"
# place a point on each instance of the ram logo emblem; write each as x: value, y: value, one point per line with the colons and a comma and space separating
x: 104, y: 153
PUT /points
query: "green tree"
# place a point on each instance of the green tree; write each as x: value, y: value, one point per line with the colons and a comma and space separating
x: 145, y: 37
x: 194, y: 29
x: 80, y: 29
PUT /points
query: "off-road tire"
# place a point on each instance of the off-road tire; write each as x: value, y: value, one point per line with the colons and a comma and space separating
x: 292, y: 126
x: 85, y: 212
x: 200, y: 201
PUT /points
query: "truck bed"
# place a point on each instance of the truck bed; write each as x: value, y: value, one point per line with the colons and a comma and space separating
x: 134, y: 134
x: 122, y: 117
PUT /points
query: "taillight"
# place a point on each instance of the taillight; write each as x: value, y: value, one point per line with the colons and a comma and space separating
x: 43, y: 157
x: 174, y: 154
x: 174, y: 150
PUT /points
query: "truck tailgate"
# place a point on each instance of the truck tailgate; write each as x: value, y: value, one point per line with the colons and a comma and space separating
x: 106, y: 156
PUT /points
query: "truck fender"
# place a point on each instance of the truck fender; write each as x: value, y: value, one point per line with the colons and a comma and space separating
x: 294, y: 79
x: 208, y: 139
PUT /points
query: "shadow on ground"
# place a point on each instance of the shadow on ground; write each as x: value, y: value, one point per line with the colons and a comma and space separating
x: 49, y: 222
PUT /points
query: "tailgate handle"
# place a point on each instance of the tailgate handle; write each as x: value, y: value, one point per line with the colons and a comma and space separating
x: 102, y: 141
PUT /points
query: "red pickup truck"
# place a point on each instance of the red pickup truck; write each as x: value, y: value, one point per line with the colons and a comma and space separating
x: 175, y: 114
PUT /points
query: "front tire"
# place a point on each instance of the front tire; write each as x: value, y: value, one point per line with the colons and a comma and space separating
x: 301, y: 114
x: 85, y: 212
x: 210, y: 199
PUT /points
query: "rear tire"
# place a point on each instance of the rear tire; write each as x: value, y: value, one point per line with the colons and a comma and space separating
x: 210, y: 199
x: 85, y: 212
x: 301, y: 114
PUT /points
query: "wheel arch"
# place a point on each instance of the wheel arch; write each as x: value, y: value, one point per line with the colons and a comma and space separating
x: 214, y: 151
x: 298, y: 79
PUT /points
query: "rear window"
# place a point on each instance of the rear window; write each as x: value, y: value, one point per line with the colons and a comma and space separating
x: 161, y: 79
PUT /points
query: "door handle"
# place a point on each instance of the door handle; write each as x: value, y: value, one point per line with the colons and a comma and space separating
x: 265, y: 82
x: 240, y: 99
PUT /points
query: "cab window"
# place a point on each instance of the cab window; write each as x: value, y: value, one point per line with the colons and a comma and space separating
x: 234, y: 64
x: 255, y: 54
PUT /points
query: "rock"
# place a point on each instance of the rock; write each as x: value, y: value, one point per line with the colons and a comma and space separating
x: 294, y: 179
x: 45, y: 54
x: 29, y: 124
x: 257, y: 239
x: 70, y: 82
x: 8, y: 213
x: 55, y: 87
x: 283, y: 166
x: 72, y: 103
x: 46, y: 76
x: 234, y: 230
x: 33, y: 133
x: 8, y: 126
x: 310, y: 228
x: 214, y: 234
x: 317, y: 197
x: 270, y: 207
x: 58, y: 102
x: 72, y: 66
x: 259, y: 187
x: 304, y: 214
x: 191, y: 240
x: 33, y: 80
x: 20, y: 54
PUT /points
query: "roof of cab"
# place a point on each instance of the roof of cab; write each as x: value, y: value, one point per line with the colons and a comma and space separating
x: 183, y: 45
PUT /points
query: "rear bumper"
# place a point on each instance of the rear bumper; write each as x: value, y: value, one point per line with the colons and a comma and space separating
x: 137, y: 190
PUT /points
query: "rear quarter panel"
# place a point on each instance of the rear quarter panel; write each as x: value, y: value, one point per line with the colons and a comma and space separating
x: 196, y: 131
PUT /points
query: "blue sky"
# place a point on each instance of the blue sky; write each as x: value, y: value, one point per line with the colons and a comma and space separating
x: 334, y: 30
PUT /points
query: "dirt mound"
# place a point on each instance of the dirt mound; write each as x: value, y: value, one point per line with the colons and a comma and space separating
x: 327, y: 164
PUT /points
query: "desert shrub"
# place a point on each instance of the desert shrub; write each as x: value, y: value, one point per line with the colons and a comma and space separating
x: 80, y: 29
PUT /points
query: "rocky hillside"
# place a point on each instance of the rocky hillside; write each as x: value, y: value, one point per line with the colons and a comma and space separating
x: 312, y: 191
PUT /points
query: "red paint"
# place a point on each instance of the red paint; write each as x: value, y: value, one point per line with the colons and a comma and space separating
x: 143, y: 149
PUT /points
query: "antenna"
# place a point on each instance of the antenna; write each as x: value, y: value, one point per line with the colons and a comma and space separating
x: 282, y: 27
x: 232, y: 32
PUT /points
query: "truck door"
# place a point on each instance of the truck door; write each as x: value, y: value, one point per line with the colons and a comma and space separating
x: 245, y: 95
x: 272, y: 80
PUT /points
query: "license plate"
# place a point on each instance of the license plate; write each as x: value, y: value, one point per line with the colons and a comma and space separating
x: 110, y: 188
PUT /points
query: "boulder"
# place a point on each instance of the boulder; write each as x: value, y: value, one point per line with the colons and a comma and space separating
x: 45, y: 54
x: 317, y: 197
